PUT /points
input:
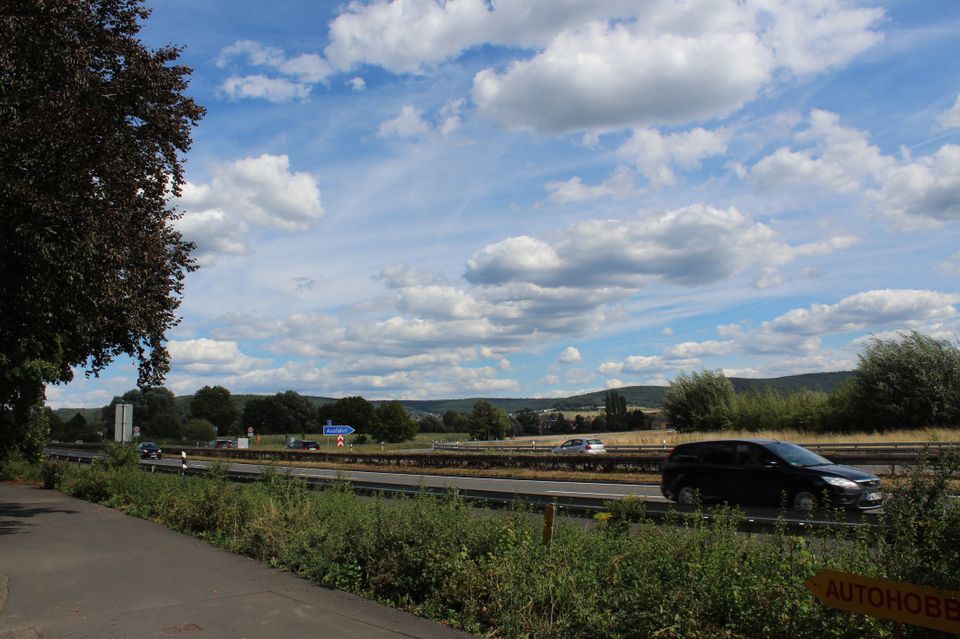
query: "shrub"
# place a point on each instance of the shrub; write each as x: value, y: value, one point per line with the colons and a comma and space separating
x: 52, y: 472
x: 700, y: 401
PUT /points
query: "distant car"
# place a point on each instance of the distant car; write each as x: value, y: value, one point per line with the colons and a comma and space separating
x: 220, y: 443
x: 765, y: 471
x: 79, y: 441
x: 580, y: 447
x: 303, y: 444
x: 149, y: 450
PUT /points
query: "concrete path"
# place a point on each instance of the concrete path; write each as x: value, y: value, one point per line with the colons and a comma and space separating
x: 69, y: 568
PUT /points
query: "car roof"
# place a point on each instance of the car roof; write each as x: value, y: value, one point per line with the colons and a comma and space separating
x: 743, y: 440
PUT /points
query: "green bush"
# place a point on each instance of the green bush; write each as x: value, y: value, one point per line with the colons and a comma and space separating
x: 16, y: 468
x: 52, y: 472
x: 700, y: 401
x: 489, y: 573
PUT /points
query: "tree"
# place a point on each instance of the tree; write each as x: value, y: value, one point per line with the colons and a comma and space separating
x: 529, y: 421
x: 700, y: 402
x: 910, y: 381
x: 615, y: 410
x: 301, y: 414
x: 456, y: 422
x: 198, y: 430
x: 430, y: 423
x: 392, y: 423
x: 94, y: 125
x: 213, y: 404
x: 348, y: 411
x: 488, y: 422
x: 148, y: 403
x: 265, y: 415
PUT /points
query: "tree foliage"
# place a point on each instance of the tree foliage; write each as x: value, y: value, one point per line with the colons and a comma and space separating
x: 94, y: 125
x: 615, y: 410
x: 700, y: 401
x: 349, y: 411
x: 910, y: 381
x: 213, y: 404
x: 392, y: 423
x: 488, y: 422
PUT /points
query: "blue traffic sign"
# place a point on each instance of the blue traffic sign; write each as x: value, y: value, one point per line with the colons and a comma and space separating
x: 332, y: 429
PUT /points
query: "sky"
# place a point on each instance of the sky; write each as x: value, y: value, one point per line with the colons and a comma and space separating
x: 422, y: 199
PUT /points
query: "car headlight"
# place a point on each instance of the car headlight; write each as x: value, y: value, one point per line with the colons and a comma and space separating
x: 841, y: 482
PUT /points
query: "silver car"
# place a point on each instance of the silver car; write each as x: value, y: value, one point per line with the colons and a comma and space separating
x: 580, y: 446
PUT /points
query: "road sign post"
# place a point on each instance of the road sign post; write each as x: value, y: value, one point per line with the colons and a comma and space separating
x: 901, y: 602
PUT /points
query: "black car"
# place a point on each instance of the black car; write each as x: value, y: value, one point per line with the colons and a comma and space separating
x: 763, y: 471
x: 149, y: 450
x: 298, y: 444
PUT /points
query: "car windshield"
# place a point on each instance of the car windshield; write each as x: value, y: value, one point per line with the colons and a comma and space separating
x: 147, y: 444
x: 797, y: 455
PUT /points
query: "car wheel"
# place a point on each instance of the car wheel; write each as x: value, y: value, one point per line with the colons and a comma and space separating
x: 805, y: 500
x: 687, y: 495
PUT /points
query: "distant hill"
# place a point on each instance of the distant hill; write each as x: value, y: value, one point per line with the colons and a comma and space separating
x: 645, y: 396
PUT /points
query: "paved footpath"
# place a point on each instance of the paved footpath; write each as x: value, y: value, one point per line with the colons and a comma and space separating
x: 69, y: 568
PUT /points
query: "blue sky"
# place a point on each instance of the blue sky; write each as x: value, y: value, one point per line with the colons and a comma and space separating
x: 425, y: 199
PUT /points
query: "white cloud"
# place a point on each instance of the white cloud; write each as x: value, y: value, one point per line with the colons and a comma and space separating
x: 259, y: 190
x: 908, y: 190
x: 207, y: 356
x: 950, y: 266
x: 618, y: 185
x: 408, y: 36
x: 409, y: 123
x: 259, y: 86
x: 307, y: 67
x: 841, y: 160
x: 690, y: 246
x: 570, y: 355
x: 357, y: 83
x: 214, y: 233
x: 950, y: 119
x: 675, y: 64
x: 654, y: 154
x: 550, y: 380
x: 667, y: 331
x: 928, y: 187
x: 450, y: 116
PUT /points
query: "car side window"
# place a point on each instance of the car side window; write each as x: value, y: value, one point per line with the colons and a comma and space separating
x: 719, y: 453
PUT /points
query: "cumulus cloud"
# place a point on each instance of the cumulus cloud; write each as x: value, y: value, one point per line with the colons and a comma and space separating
x: 618, y: 185
x: 357, y: 83
x: 306, y: 67
x: 208, y: 356
x: 676, y: 63
x: 793, y: 340
x: 409, y: 123
x: 570, y: 355
x: 259, y: 86
x: 690, y: 246
x: 260, y: 190
x: 214, y: 233
x: 842, y: 160
x: 950, y: 119
x: 654, y: 155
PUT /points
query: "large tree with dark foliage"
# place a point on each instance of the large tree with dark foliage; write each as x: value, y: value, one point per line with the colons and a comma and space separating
x: 93, y: 128
x: 213, y: 403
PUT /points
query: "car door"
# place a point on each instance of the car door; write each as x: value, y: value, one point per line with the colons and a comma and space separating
x: 717, y: 470
x: 755, y: 479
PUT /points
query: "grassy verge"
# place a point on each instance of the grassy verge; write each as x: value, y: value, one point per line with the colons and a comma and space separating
x: 491, y: 574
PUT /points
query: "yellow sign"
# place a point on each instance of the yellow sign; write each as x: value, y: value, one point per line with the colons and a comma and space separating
x: 906, y: 603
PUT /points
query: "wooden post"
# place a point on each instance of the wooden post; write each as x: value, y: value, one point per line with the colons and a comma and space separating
x: 896, y: 630
x: 549, y: 513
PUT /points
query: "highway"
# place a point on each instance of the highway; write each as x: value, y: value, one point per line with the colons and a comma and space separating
x: 579, y: 498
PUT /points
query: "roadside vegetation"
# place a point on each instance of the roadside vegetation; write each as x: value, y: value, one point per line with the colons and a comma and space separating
x: 490, y: 573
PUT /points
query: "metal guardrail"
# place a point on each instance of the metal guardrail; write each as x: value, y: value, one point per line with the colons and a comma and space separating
x: 914, y: 447
x: 658, y: 512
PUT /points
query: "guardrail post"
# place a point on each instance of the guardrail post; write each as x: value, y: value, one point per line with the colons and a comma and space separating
x: 183, y: 463
x: 549, y: 513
